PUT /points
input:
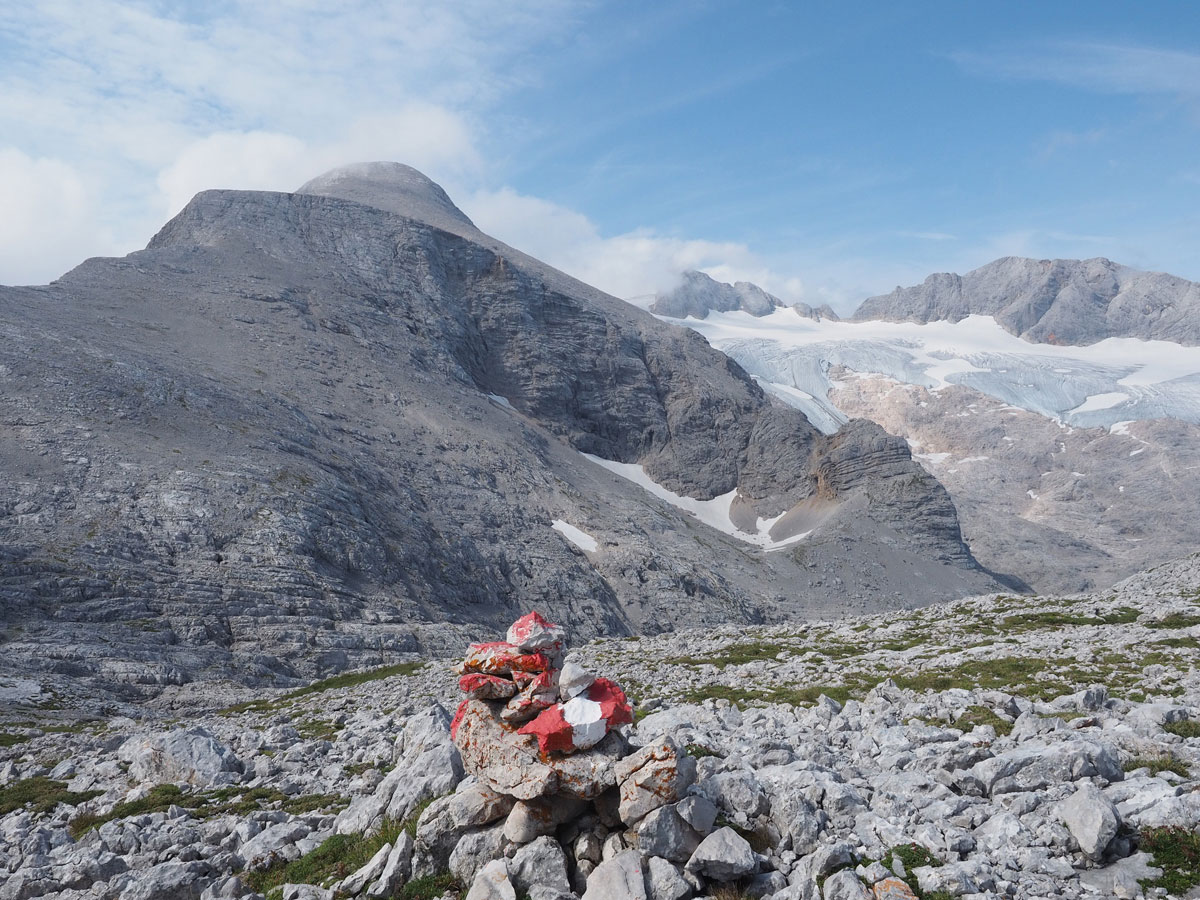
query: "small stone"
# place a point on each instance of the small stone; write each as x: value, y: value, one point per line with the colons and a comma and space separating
x: 1091, y: 818
x: 664, y: 881
x: 892, y: 889
x: 723, y: 856
x: 533, y: 632
x: 540, y: 864
x: 574, y: 680
x: 619, y: 878
x: 492, y: 883
x: 844, y: 885
x: 658, y: 774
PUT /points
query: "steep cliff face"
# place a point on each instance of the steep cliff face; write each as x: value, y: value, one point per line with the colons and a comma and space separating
x: 305, y: 431
x: 1063, y: 301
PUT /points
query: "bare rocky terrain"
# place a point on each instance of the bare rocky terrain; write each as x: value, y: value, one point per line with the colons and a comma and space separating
x: 997, y: 746
x: 311, y: 431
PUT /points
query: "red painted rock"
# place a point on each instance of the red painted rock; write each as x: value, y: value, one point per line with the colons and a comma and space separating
x: 541, y: 693
x: 501, y: 658
x: 486, y: 687
x: 583, y: 721
x: 507, y: 762
x: 533, y: 632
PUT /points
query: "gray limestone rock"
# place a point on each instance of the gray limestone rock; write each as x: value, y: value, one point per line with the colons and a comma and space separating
x: 1091, y: 818
x: 845, y: 885
x: 191, y: 755
x: 723, y: 856
x: 492, y: 883
x: 541, y: 863
x: 664, y: 880
x: 619, y: 878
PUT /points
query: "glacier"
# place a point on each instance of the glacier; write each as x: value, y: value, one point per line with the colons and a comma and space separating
x: 1099, y: 385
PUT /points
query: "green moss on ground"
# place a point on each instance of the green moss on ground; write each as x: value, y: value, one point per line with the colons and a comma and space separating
x: 1175, y: 620
x: 1156, y: 764
x: 1188, y: 728
x: 981, y: 715
x: 342, y: 854
x: 344, y: 680
x: 204, y: 804
x: 1177, y: 852
x: 40, y: 794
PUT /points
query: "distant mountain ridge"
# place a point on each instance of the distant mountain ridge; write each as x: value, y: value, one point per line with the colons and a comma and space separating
x: 1052, y: 301
x: 698, y: 294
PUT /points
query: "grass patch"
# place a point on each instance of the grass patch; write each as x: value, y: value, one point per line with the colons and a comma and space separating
x: 699, y: 751
x: 1187, y: 728
x: 981, y: 715
x: 1178, y: 643
x: 428, y: 888
x: 1175, y: 620
x: 913, y: 856
x: 41, y: 794
x: 989, y: 674
x: 1177, y: 852
x: 1164, y: 763
x: 786, y: 696
x: 344, y: 680
x: 204, y: 804
x: 342, y: 854
x: 734, y: 655
x: 11, y: 739
x: 1124, y: 615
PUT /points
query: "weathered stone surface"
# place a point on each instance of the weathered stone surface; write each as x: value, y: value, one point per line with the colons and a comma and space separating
x: 723, y: 856
x: 474, y: 850
x: 189, y: 755
x: 492, y: 883
x: 664, y: 881
x: 892, y: 888
x: 541, y: 863
x: 1091, y: 818
x: 357, y: 882
x: 396, y: 869
x: 657, y: 774
x: 845, y: 885
x: 530, y: 819
x: 663, y: 832
x: 507, y: 762
x: 619, y: 878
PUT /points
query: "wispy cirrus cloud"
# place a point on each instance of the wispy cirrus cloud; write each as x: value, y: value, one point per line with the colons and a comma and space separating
x: 1102, y: 67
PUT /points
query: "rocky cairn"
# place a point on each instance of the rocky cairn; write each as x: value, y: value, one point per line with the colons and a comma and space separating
x: 556, y: 801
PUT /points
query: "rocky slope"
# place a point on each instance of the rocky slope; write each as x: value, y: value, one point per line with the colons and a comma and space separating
x: 997, y: 746
x: 1055, y: 301
x: 301, y: 432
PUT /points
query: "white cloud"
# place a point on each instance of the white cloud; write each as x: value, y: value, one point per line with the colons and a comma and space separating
x: 48, y: 221
x: 626, y: 265
x: 430, y: 138
x: 146, y: 102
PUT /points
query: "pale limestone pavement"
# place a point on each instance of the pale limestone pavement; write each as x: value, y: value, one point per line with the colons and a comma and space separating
x: 1012, y: 747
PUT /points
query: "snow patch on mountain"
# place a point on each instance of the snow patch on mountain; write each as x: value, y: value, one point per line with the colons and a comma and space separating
x: 576, y: 536
x: 715, y: 513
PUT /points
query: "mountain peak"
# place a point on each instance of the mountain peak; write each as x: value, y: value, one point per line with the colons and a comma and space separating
x: 392, y: 187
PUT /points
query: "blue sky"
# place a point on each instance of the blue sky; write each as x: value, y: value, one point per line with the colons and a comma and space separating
x: 827, y: 151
